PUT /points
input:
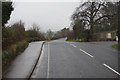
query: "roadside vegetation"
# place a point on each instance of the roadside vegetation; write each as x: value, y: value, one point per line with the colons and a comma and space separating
x: 13, y: 42
x: 116, y: 46
x: 76, y: 40
x: 91, y: 19
x: 34, y: 34
x: 50, y: 35
x: 15, y: 39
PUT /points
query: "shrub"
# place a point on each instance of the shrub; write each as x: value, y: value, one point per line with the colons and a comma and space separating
x: 34, y: 35
x: 12, y: 35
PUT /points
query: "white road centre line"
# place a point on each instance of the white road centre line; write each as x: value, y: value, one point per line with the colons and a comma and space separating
x: 72, y: 45
x: 111, y: 69
x: 48, y: 70
x: 86, y: 53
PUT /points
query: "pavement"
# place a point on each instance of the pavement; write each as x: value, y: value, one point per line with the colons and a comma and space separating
x: 62, y: 59
x: 23, y: 64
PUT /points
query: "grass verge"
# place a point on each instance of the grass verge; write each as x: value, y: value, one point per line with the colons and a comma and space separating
x: 75, y: 40
x: 116, y: 46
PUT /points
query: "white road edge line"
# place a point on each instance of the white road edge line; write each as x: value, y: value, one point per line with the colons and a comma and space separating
x: 86, y: 53
x: 48, y: 70
x: 72, y: 45
x: 111, y: 69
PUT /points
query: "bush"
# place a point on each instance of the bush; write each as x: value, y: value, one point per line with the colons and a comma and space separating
x: 13, y: 50
x: 12, y: 35
x: 32, y: 39
x: 20, y: 47
x: 34, y: 35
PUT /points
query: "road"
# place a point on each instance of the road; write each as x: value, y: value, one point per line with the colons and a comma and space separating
x: 62, y: 59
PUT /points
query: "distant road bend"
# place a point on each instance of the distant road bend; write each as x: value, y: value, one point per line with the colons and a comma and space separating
x: 62, y: 59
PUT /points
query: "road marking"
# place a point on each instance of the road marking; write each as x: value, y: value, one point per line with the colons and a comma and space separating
x: 111, y: 69
x: 86, y: 53
x: 48, y: 70
x: 72, y: 45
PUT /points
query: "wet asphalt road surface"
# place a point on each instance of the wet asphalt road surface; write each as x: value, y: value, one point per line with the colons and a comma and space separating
x: 62, y: 59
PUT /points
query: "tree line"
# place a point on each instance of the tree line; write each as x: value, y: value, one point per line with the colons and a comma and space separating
x: 92, y: 17
x: 50, y: 35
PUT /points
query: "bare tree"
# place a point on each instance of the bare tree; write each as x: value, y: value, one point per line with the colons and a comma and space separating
x: 90, y: 13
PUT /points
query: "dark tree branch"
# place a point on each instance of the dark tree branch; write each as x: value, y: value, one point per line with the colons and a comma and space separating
x: 85, y: 20
x: 96, y: 11
x: 107, y: 16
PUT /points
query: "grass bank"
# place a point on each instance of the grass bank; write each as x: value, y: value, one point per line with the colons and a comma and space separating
x: 116, y: 46
x: 75, y: 40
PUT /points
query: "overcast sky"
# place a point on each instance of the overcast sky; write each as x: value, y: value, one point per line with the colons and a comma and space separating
x: 48, y: 15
